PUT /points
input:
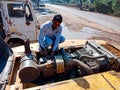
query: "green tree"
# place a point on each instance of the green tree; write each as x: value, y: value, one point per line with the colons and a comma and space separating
x: 116, y: 7
x: 104, y: 6
x: 80, y: 6
x: 67, y: 1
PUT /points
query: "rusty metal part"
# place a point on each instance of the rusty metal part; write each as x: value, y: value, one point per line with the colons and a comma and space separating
x: 27, y: 46
x: 21, y: 37
x: 59, y: 64
x: 48, y: 68
x: 112, y: 49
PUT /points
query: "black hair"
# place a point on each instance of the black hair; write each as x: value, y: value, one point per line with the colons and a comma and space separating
x: 58, y: 18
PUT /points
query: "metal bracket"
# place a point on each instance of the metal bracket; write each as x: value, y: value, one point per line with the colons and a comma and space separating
x: 59, y: 64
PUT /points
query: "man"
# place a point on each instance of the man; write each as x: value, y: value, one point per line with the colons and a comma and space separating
x: 50, y: 35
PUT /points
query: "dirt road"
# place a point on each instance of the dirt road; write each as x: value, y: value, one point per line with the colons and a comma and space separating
x: 76, y: 26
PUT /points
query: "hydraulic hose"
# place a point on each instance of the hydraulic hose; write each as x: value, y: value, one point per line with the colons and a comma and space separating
x: 80, y: 64
x: 92, y: 57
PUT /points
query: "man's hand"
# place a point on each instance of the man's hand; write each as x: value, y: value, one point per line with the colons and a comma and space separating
x: 45, y: 52
x: 52, y: 54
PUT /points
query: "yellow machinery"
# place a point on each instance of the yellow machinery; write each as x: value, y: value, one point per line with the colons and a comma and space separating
x: 78, y: 65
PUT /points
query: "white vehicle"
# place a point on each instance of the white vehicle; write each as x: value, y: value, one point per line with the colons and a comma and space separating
x: 19, y: 21
x: 42, y: 3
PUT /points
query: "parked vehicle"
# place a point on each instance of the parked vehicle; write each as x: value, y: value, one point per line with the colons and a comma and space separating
x: 19, y: 21
x: 87, y: 5
x: 41, y: 3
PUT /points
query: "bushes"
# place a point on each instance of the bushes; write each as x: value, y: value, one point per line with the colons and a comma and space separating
x: 116, y: 7
x: 104, y: 6
x: 108, y: 6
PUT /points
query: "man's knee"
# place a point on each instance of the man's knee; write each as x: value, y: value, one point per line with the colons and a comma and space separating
x: 48, y: 41
x: 62, y: 39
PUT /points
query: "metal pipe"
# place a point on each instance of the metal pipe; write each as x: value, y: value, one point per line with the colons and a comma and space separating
x: 73, y: 62
x: 27, y: 46
x: 93, y: 57
x: 80, y: 64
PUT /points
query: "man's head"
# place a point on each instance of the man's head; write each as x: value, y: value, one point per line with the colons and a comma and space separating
x: 57, y: 20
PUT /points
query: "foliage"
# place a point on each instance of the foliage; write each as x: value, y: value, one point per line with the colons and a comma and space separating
x: 116, y: 7
x: 66, y: 1
x: 84, y: 0
x: 108, y: 6
x: 104, y: 6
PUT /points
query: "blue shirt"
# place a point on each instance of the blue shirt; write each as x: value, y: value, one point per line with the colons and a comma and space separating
x: 46, y: 30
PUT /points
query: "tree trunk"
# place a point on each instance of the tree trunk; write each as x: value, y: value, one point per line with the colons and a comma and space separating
x: 80, y: 4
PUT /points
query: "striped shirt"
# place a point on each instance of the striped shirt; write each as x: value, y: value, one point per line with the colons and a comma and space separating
x: 46, y: 30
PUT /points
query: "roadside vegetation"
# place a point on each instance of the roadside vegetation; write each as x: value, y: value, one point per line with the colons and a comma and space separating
x: 108, y: 6
x: 111, y: 7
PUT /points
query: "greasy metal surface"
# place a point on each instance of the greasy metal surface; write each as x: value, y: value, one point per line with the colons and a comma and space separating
x: 59, y: 64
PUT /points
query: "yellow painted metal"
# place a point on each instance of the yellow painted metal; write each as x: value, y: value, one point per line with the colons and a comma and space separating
x: 93, y: 82
x: 103, y: 81
x: 68, y: 43
x: 113, y: 79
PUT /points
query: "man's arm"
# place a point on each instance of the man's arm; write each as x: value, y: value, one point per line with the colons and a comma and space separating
x: 42, y: 36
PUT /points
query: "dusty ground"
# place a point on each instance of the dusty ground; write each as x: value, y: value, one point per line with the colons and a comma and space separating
x: 76, y: 24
